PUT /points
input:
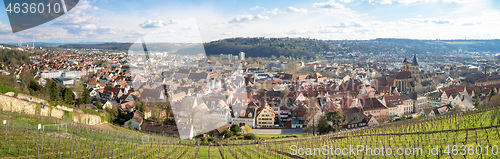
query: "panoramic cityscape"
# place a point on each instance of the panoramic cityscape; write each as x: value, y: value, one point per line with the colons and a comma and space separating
x: 183, y: 89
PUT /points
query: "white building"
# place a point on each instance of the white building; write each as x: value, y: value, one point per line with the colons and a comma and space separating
x: 51, y: 74
x: 242, y: 55
x: 72, y: 74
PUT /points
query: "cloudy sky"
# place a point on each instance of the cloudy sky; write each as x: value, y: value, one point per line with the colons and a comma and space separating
x: 128, y: 20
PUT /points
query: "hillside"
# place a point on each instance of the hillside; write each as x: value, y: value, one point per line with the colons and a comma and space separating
x: 303, y: 47
x: 104, y: 46
x: 16, y: 57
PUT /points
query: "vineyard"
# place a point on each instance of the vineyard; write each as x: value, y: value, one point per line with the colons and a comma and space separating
x: 471, y: 134
x: 22, y: 139
x: 474, y: 133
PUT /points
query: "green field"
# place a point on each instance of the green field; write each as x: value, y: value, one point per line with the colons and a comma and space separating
x: 19, y: 138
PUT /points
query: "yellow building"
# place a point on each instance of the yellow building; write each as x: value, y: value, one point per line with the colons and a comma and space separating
x: 265, y: 116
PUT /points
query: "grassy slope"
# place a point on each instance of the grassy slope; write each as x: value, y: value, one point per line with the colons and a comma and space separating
x: 4, y: 89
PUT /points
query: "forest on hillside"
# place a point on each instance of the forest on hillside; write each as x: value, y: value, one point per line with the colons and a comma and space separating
x: 304, y: 47
x: 16, y: 57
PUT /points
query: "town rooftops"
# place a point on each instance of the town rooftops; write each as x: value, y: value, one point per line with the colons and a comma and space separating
x: 159, y: 128
x: 138, y: 116
x: 372, y: 104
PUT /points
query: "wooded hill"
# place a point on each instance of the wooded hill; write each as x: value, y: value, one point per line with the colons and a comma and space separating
x: 304, y: 47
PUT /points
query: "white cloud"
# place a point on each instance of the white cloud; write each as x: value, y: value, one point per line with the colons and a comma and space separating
x: 346, y: 25
x: 471, y: 24
x: 153, y: 24
x: 76, y: 19
x: 254, y: 8
x: 346, y: 1
x: 380, y: 1
x: 80, y: 21
x: 106, y: 30
x: 4, y: 29
x: 406, y: 2
x: 291, y: 9
x: 248, y: 18
x: 427, y: 21
x: 272, y: 12
x: 90, y: 29
x: 79, y: 15
x: 298, y: 31
x: 329, y: 5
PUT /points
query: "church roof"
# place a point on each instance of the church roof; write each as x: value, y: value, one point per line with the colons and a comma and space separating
x: 403, y: 75
x: 405, y: 60
x: 414, y: 62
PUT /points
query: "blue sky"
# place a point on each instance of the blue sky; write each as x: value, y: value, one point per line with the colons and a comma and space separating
x: 128, y: 20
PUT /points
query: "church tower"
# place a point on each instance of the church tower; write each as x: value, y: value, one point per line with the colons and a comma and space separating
x: 415, y: 70
x: 406, y: 65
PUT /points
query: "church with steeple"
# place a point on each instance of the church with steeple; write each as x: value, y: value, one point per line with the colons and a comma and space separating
x: 410, y: 79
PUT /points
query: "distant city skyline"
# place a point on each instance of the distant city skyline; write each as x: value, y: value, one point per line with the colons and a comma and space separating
x: 128, y: 21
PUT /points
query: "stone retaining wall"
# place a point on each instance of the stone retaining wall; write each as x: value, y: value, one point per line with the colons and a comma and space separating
x: 28, y: 105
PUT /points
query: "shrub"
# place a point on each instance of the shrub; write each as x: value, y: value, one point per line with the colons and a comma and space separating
x: 250, y: 136
x: 210, y: 139
x: 98, y: 104
x: 203, y: 140
x: 235, y: 128
x: 106, y: 118
x: 67, y: 115
x: 227, y: 133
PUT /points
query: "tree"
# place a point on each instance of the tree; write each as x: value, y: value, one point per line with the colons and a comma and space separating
x: 98, y: 104
x: 227, y: 133
x: 140, y: 107
x: 494, y: 101
x: 291, y: 67
x: 492, y: 93
x: 334, y: 119
x: 169, y: 121
x: 68, y: 95
x: 86, y: 96
x: 79, y: 101
x: 457, y: 108
x: 476, y: 102
x: 130, y: 125
x: 54, y: 91
x: 235, y: 128
x: 248, y: 128
x: 114, y: 114
x: 323, y: 126
x: 34, y: 86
